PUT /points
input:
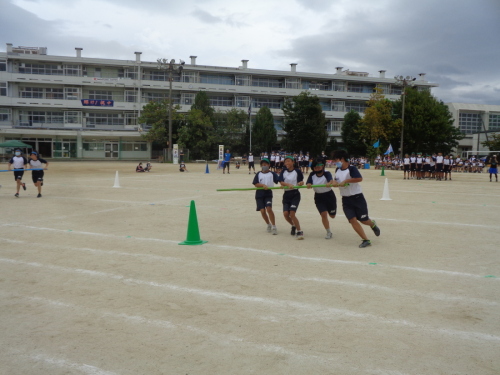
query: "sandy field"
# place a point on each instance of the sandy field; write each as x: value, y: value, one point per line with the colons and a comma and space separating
x: 93, y: 280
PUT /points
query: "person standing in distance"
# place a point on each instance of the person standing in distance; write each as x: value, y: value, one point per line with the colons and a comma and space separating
x: 353, y: 201
x: 227, y: 161
x: 493, y: 167
x: 18, y: 162
x: 250, y: 163
x: 37, y: 176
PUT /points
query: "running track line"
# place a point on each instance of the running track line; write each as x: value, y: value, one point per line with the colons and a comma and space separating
x: 155, y: 258
x: 312, y: 309
x: 267, y: 252
x: 221, y: 339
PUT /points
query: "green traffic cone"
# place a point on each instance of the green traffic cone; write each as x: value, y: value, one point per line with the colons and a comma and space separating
x: 382, y: 174
x: 193, y: 232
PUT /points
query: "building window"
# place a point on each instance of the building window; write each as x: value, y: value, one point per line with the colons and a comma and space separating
x: 187, y: 99
x: 338, y: 86
x: 54, y: 93
x: 338, y: 106
x: 72, y: 93
x: 97, y: 119
x: 334, y: 126
x: 130, y: 96
x: 292, y: 83
x: 267, y: 82
x: 221, y: 101
x: 325, y: 105
x: 72, y: 70
x: 355, y: 106
x: 47, y: 69
x: 494, y: 121
x: 191, y: 77
x: 3, y: 88
x: 4, y: 114
x: 32, y: 118
x: 3, y: 65
x: 266, y: 102
x: 216, y: 79
x: 130, y: 118
x: 93, y: 146
x: 242, y: 101
x: 135, y: 146
x: 101, y: 95
x: 360, y: 87
x: 72, y: 117
x: 316, y: 85
x: 469, y: 123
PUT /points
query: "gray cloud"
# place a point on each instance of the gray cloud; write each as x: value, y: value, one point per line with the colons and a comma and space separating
x: 206, y: 17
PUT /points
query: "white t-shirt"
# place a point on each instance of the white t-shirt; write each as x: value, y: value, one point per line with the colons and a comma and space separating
x: 250, y: 158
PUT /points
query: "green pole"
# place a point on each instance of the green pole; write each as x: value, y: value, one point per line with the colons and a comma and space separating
x: 273, y: 188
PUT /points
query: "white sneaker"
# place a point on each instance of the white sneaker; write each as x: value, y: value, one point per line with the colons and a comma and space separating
x: 269, y: 227
x: 328, y: 235
x: 275, y: 230
x: 300, y: 235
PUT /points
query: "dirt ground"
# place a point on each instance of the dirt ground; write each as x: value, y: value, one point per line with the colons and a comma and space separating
x: 93, y: 281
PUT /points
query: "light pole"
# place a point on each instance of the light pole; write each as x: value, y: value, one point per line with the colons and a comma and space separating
x: 170, y: 67
x: 404, y: 82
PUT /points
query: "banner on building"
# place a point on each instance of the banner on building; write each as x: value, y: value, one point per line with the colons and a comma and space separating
x: 97, y: 102
x: 176, y: 154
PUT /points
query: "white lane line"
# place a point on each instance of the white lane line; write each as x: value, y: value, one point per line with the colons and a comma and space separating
x: 444, y: 192
x: 251, y: 271
x: 260, y: 251
x: 319, y: 311
x: 219, y: 338
x: 65, y: 364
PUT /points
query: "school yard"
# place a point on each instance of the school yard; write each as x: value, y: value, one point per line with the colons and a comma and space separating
x: 93, y: 281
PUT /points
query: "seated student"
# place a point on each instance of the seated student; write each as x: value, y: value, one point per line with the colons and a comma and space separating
x: 237, y: 165
x: 182, y: 167
x: 139, y: 168
x: 148, y: 167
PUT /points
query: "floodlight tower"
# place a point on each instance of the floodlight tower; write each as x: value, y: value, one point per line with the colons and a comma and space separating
x: 170, y: 67
x: 404, y: 82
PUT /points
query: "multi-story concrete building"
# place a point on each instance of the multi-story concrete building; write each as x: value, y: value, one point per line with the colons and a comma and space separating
x: 476, y: 121
x: 78, y: 107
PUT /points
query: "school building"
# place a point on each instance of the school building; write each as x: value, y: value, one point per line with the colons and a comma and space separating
x: 476, y: 122
x: 87, y: 108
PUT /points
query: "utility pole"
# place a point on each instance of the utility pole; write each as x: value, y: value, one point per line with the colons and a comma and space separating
x: 404, y: 82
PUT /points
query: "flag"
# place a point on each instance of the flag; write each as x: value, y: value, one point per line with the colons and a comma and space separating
x: 389, y: 150
x: 376, y: 144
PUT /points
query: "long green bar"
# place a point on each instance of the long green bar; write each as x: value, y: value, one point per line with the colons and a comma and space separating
x: 274, y: 187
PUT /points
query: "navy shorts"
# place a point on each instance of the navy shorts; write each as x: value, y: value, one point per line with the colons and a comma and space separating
x: 264, y: 200
x: 37, y: 176
x: 406, y: 167
x: 18, y: 175
x: 355, y: 206
x: 291, y: 200
x: 326, y: 202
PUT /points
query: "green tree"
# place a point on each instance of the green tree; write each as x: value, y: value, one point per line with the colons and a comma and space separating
x: 155, y: 114
x: 378, y: 123
x: 350, y: 135
x: 198, y: 135
x: 202, y: 102
x: 264, y: 135
x: 428, y: 124
x: 304, y: 124
x: 230, y: 128
x: 493, y: 143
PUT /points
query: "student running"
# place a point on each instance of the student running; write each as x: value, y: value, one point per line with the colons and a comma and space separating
x: 324, y: 197
x: 353, y: 201
x: 264, y: 198
x: 289, y: 177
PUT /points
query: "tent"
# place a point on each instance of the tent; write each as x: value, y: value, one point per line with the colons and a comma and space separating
x: 14, y: 144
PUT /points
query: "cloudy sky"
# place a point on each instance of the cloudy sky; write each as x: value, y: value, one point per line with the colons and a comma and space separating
x: 456, y: 42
